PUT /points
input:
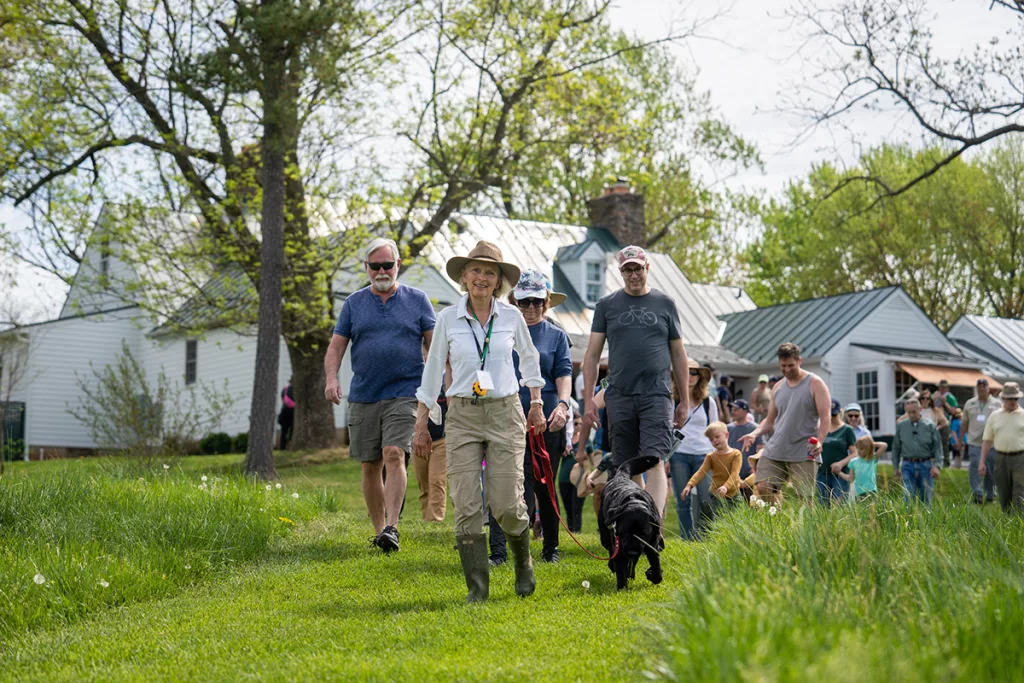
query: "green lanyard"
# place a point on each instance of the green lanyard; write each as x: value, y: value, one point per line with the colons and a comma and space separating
x: 482, y: 352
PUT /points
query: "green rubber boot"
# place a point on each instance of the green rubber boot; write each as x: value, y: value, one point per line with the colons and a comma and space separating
x: 523, y: 563
x: 473, y: 553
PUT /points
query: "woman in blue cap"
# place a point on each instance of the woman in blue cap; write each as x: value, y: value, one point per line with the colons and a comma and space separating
x: 533, y: 296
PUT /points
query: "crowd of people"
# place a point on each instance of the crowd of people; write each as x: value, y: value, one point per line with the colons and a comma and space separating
x: 461, y: 390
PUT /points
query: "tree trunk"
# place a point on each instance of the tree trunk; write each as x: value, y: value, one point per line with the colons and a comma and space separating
x: 314, y: 415
x: 276, y: 109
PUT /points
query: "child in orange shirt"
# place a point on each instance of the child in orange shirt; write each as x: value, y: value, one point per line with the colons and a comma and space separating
x: 724, y: 464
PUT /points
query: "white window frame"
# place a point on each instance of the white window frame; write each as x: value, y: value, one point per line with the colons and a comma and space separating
x: 588, y: 281
x: 871, y: 414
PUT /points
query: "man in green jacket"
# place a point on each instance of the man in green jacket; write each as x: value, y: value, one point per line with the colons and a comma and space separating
x: 917, y: 453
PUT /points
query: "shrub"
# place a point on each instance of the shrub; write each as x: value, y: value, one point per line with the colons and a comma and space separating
x: 217, y: 443
x: 127, y: 413
x: 177, y: 446
x: 240, y: 444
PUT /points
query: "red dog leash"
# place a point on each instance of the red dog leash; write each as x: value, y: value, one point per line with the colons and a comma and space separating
x: 542, y: 464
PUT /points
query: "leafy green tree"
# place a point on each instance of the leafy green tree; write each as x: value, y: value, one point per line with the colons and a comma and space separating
x: 230, y: 111
x: 820, y: 241
x: 532, y: 106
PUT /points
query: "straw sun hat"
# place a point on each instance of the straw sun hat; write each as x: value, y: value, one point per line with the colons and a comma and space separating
x: 483, y: 251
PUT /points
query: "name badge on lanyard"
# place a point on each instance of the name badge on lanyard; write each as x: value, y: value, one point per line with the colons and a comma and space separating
x: 484, y: 381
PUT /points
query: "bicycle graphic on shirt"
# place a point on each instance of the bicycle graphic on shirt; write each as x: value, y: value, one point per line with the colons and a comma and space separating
x: 638, y: 315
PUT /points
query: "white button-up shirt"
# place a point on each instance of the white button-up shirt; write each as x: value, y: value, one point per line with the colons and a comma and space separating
x: 453, y: 341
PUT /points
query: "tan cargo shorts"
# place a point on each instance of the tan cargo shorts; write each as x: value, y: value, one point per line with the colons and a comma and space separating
x: 375, y: 426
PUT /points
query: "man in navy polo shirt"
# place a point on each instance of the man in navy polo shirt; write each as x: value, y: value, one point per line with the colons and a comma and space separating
x: 387, y: 325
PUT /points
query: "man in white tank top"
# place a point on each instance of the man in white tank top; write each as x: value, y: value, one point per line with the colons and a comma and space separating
x: 800, y: 409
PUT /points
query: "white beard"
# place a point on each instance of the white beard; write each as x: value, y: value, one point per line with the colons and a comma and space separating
x: 383, y: 283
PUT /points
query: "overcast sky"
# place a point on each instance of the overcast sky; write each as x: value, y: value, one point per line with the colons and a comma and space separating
x: 750, y: 56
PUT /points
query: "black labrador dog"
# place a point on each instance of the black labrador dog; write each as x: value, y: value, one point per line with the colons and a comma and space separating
x: 630, y: 524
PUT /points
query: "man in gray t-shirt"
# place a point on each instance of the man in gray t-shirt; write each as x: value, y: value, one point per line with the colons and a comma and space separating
x: 645, y: 351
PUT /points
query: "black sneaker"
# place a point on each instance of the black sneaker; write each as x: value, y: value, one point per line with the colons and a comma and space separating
x: 551, y: 556
x: 387, y: 540
x: 977, y: 500
x: 497, y: 560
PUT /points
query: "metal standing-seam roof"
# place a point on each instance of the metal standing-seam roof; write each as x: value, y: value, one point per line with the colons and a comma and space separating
x: 723, y: 299
x: 815, y: 325
x: 1007, y: 333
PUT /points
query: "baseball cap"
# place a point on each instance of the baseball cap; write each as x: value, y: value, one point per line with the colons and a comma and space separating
x: 741, y: 403
x: 632, y: 254
x: 534, y: 285
x: 762, y: 378
x: 983, y: 381
x: 853, y: 407
x: 837, y: 407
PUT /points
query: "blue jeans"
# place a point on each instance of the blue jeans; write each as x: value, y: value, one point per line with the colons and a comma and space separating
x: 982, y: 488
x: 832, y: 487
x: 683, y: 466
x: 917, y: 480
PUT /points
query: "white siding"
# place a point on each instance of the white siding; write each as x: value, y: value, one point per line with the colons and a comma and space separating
x: 59, y: 350
x: 896, y: 322
x: 85, y: 296
x: 227, y: 356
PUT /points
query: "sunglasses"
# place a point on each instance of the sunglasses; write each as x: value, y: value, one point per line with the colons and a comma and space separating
x: 694, y: 373
x: 380, y: 265
x: 853, y: 415
x: 530, y: 303
x: 629, y: 272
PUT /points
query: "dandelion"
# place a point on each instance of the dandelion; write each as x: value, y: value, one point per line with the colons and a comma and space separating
x: 188, y: 566
x: 142, y: 479
x: 278, y: 484
x: 202, y: 487
x: 269, y: 487
x: 761, y: 503
x: 586, y: 585
x: 166, y: 466
x: 286, y: 520
x: 262, y: 510
x: 163, y: 577
x: 773, y: 510
x: 203, y: 478
x: 39, y: 579
x: 104, y: 584
x: 295, y: 495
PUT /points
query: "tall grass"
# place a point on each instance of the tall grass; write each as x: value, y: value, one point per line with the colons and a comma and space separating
x: 71, y: 543
x: 882, y: 591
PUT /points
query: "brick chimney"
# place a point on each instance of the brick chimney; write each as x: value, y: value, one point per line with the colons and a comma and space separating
x: 621, y: 212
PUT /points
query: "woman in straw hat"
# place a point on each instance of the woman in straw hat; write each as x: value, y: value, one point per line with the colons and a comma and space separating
x: 477, y: 337
x: 533, y: 297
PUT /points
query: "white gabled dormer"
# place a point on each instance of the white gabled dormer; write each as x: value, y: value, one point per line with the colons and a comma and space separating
x: 584, y: 266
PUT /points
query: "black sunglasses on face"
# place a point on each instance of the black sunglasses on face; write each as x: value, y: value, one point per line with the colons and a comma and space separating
x: 694, y: 373
x: 853, y: 415
x: 382, y: 265
x: 527, y: 303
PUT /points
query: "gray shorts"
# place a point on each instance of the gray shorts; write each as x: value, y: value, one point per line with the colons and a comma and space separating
x: 641, y: 425
x: 374, y: 426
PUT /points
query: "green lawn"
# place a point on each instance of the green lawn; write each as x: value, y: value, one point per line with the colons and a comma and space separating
x: 847, y: 594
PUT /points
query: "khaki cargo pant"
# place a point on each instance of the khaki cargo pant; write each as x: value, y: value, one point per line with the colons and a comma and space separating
x: 500, y: 426
x: 432, y: 479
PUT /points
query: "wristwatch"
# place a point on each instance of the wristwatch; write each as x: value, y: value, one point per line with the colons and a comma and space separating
x: 563, y: 402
